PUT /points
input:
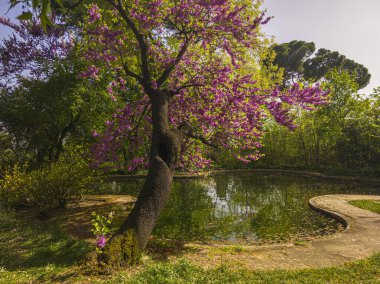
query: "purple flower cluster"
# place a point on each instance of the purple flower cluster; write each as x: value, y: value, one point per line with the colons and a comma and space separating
x: 93, y: 13
x: 101, y: 241
x: 202, y: 45
x: 29, y: 49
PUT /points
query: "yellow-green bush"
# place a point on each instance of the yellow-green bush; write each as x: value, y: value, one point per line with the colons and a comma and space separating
x: 51, y: 186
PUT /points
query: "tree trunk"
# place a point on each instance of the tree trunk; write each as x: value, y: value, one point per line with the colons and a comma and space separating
x: 317, y: 152
x: 305, y: 163
x: 127, y: 244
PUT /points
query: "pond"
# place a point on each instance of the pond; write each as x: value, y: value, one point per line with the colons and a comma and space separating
x: 248, y: 208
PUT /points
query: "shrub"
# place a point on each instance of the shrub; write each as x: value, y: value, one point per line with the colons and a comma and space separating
x: 51, y: 186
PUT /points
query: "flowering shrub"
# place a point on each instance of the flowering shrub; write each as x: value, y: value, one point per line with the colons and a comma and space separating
x: 101, y: 224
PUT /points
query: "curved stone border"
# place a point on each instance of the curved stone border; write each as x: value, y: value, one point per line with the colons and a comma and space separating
x: 359, y: 240
x: 314, y: 204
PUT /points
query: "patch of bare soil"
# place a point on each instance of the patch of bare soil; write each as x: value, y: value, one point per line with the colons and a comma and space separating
x: 77, y: 219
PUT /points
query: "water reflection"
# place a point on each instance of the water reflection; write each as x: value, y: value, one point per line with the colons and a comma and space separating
x: 244, y: 207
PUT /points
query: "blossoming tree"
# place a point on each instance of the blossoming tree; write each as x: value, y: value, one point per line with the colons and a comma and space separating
x: 194, y: 86
x: 187, y: 57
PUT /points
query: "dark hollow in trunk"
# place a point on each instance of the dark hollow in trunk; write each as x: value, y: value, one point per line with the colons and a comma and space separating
x: 127, y: 244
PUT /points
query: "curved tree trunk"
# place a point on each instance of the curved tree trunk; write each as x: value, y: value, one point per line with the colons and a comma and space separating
x: 126, y: 246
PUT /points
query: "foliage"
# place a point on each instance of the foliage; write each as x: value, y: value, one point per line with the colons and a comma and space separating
x: 196, y: 53
x: 326, y: 60
x: 343, y: 134
x: 40, y: 116
x: 7, y: 155
x: 31, y: 52
x: 52, y: 186
x: 299, y: 63
x: 101, y: 227
x: 44, y: 102
x: 291, y: 56
x: 44, y: 8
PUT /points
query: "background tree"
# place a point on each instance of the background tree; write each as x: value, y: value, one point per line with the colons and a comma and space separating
x: 299, y: 63
x: 325, y: 60
x: 43, y: 100
x: 291, y: 56
x: 41, y: 116
x: 341, y: 137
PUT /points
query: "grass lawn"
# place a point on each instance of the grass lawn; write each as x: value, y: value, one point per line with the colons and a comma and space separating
x: 370, y: 205
x: 41, y: 253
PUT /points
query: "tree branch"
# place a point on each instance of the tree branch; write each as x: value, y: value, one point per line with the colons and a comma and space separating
x: 126, y: 69
x: 73, y: 6
x: 186, y: 129
x: 165, y: 75
x: 137, y: 126
x: 139, y: 37
x: 132, y: 74
x: 188, y: 86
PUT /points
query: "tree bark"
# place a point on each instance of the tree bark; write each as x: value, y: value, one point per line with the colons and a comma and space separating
x: 127, y: 244
x: 317, y: 152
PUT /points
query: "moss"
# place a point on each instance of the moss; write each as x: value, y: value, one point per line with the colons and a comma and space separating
x: 122, y: 250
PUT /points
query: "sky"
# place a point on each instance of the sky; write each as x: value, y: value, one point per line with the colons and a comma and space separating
x: 351, y: 27
x: 11, y: 14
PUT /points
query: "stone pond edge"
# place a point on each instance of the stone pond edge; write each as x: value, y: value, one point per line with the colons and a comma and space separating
x: 366, y: 180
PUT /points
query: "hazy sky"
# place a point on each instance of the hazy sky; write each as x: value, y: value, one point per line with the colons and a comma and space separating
x: 11, y: 14
x: 351, y: 27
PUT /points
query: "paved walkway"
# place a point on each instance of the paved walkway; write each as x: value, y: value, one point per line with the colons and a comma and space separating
x: 360, y: 240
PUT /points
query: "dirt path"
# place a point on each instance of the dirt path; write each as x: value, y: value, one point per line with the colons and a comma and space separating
x: 360, y: 239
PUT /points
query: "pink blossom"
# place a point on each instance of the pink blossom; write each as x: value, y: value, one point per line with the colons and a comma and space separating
x: 190, y: 41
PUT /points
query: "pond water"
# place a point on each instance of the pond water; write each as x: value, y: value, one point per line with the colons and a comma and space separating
x: 245, y: 208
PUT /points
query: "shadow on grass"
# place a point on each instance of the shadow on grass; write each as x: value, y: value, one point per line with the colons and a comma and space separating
x: 62, y: 240
x: 52, y: 250
x: 162, y: 250
x: 26, y: 245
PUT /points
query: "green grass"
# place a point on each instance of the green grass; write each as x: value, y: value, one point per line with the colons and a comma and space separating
x: 367, y: 271
x: 370, y: 205
x: 41, y: 253
x: 37, y: 252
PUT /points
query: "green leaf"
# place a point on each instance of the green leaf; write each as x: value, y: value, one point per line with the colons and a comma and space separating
x: 25, y: 16
x: 46, y: 7
x: 35, y: 3
x: 45, y: 21
x: 59, y: 2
